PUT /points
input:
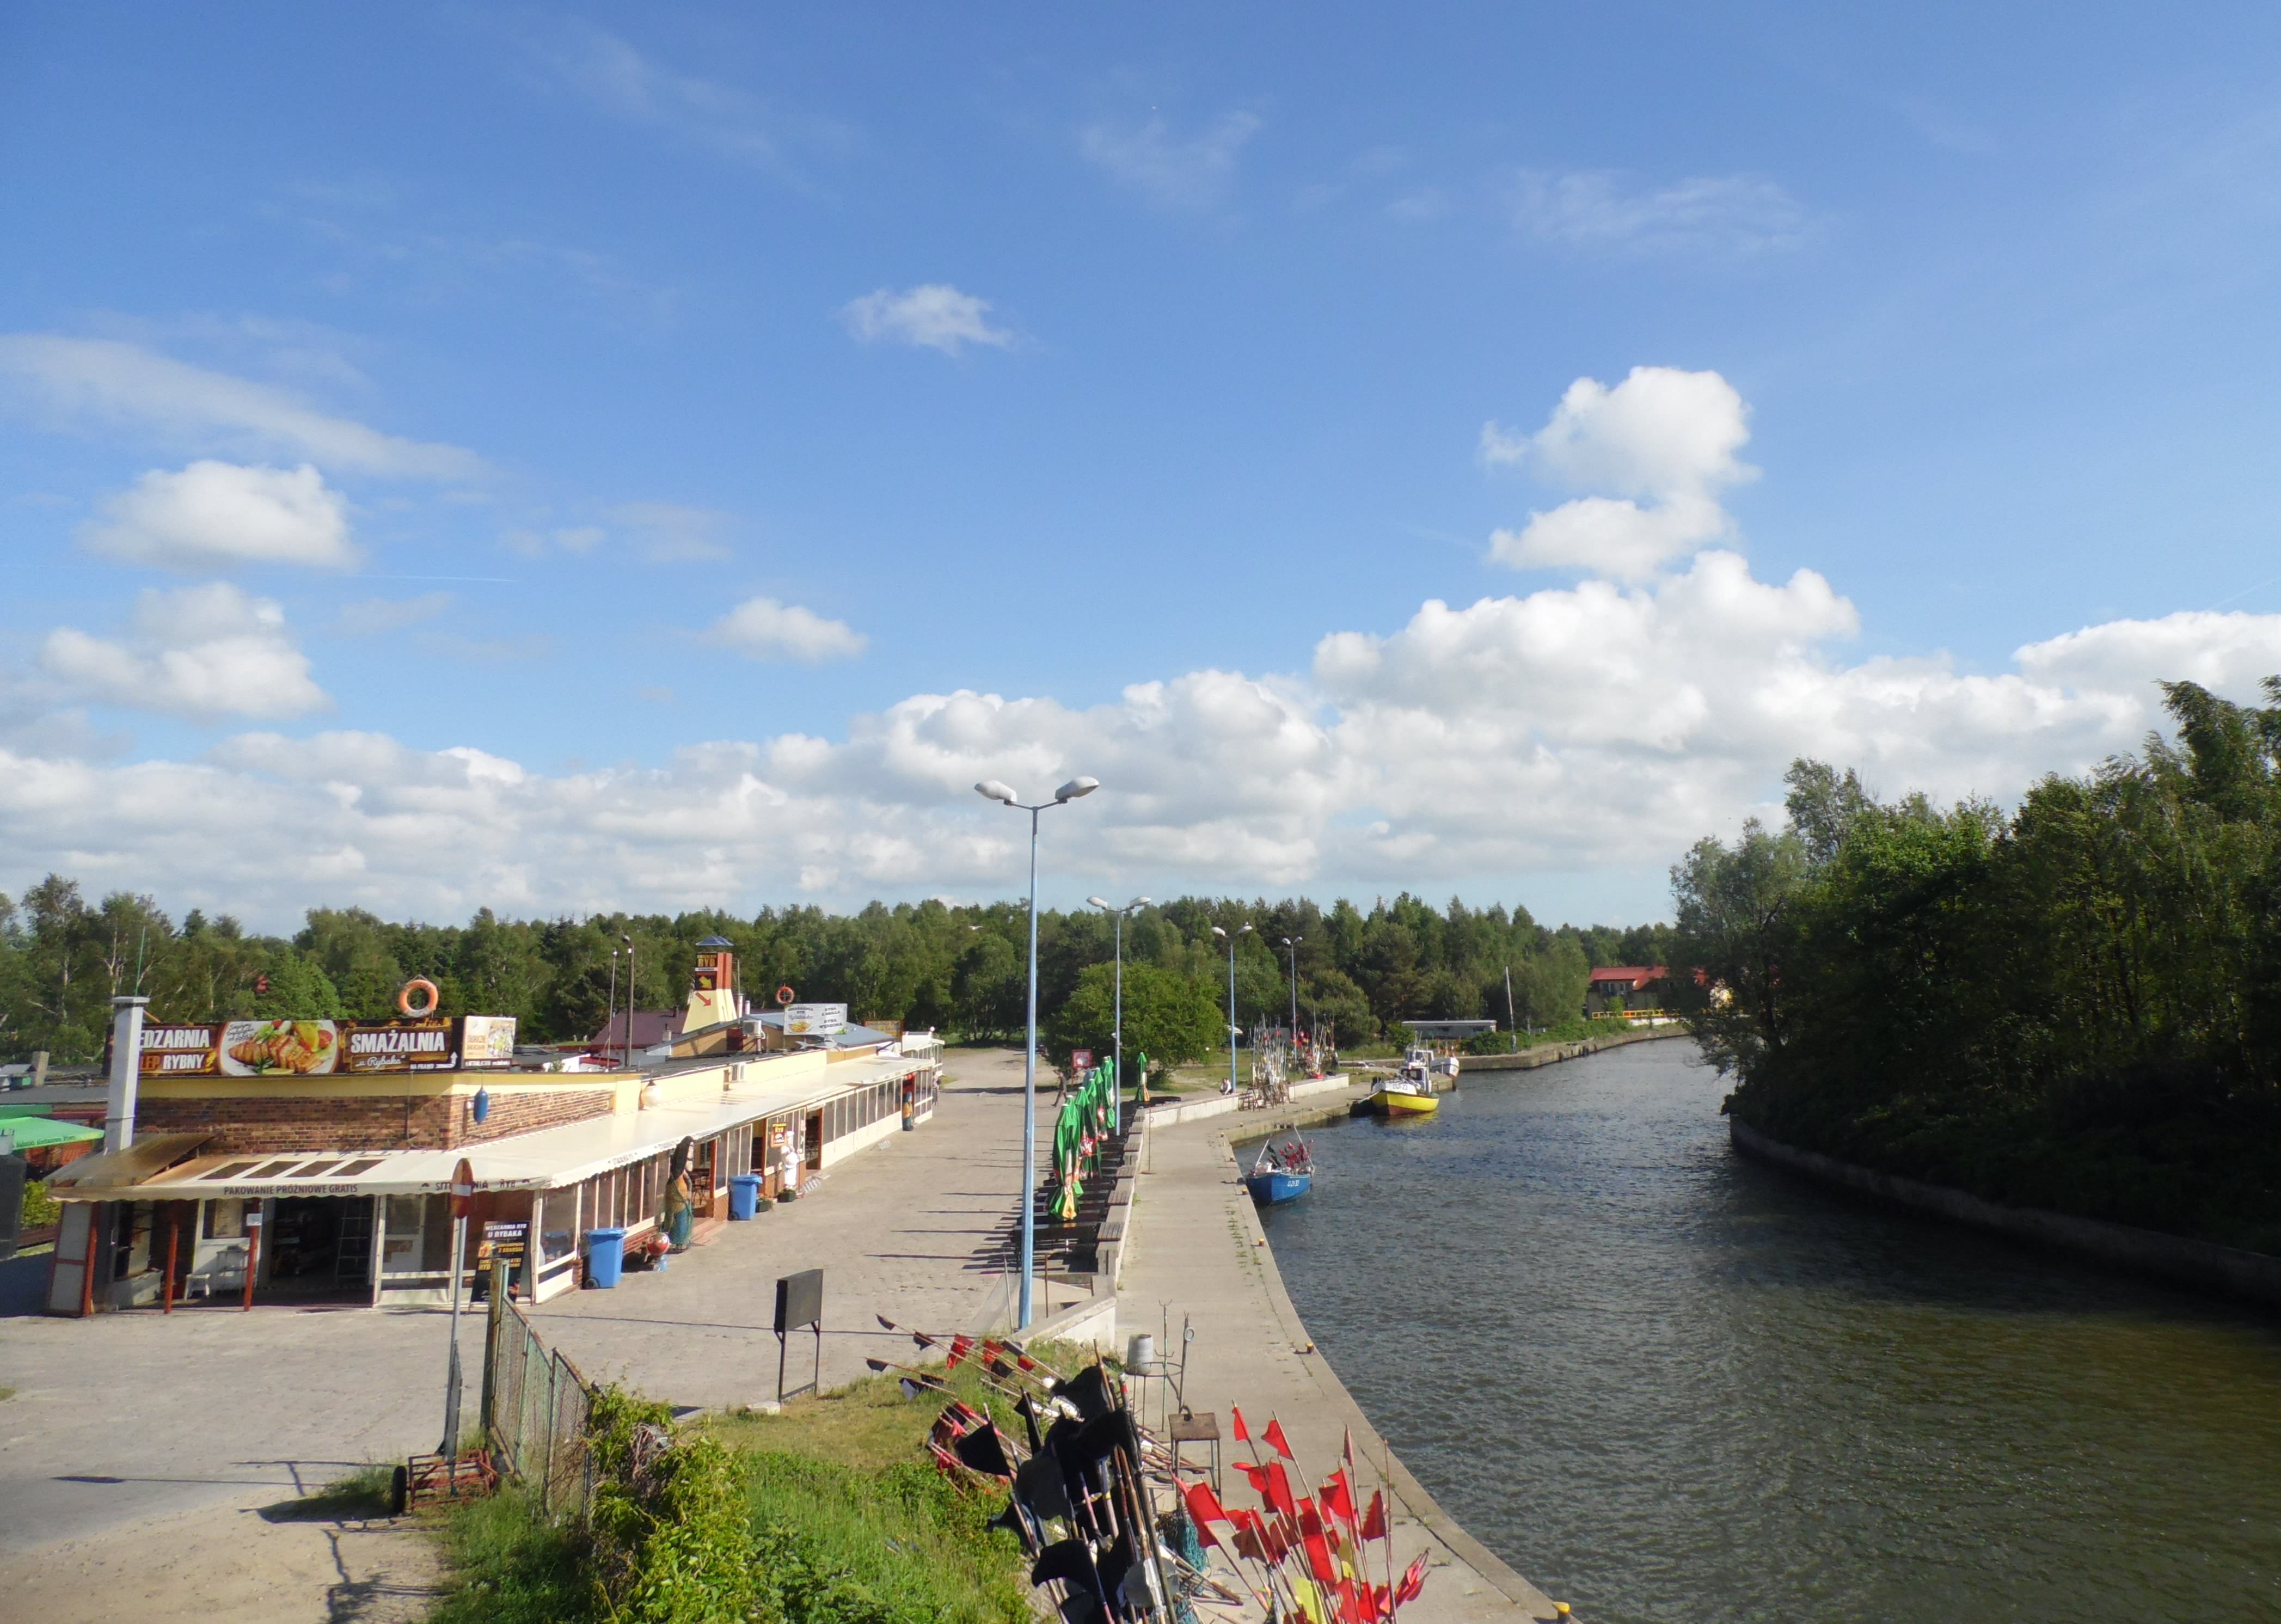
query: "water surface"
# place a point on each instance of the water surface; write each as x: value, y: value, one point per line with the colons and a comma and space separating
x: 1666, y: 1384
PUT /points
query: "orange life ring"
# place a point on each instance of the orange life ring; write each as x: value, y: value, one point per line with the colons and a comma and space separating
x: 418, y: 984
x: 783, y: 994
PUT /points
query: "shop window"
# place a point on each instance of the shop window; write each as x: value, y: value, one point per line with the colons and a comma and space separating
x: 404, y: 1251
x: 225, y: 1219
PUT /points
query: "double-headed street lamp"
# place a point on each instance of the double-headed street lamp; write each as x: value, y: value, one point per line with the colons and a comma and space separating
x: 991, y: 789
x: 1234, y: 1031
x: 1292, y: 942
x: 1133, y: 907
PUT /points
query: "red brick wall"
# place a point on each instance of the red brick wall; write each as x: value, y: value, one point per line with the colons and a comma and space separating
x: 254, y: 1125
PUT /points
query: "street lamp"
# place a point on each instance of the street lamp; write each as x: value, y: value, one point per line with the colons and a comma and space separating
x: 629, y: 940
x: 991, y: 789
x: 1134, y: 906
x: 1293, y: 942
x: 1232, y: 1029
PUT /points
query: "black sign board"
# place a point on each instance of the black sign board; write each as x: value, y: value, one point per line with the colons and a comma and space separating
x: 799, y: 1304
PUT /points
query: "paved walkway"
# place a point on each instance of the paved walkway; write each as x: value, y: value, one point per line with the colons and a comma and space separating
x: 920, y: 1228
x: 1196, y: 1250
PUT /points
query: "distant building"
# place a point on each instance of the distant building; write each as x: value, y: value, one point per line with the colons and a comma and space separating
x: 1624, y: 981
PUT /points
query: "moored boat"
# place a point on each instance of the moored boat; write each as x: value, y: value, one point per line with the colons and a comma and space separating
x: 1409, y: 1092
x: 1282, y: 1174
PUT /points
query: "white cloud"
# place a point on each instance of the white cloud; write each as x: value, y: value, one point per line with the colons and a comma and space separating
x: 935, y: 314
x: 1596, y: 728
x: 372, y: 617
x: 103, y: 378
x: 1734, y: 216
x: 214, y: 515
x: 201, y: 651
x: 620, y: 80
x: 1181, y: 172
x: 762, y: 629
x: 525, y: 542
x: 675, y: 533
x: 1664, y: 436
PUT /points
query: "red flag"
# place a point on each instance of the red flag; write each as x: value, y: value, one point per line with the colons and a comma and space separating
x: 1335, y: 1498
x: 960, y: 1347
x: 1242, y: 1434
x: 1353, y: 1605
x: 1282, y: 1444
x: 1248, y: 1543
x: 1319, y: 1558
x: 1277, y: 1493
x: 1381, y: 1601
x: 1413, y: 1582
x: 1373, y: 1521
x: 1204, y: 1509
x: 1310, y: 1520
x: 1257, y: 1476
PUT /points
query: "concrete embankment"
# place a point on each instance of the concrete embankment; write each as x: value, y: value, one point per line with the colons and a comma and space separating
x: 1192, y: 1248
x: 2253, y: 1275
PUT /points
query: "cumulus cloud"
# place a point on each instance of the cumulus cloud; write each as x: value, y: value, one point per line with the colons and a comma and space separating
x: 1663, y: 441
x: 935, y: 314
x: 1734, y: 216
x: 124, y: 382
x: 1570, y: 729
x: 214, y: 515
x: 205, y: 652
x: 1191, y: 171
x: 762, y: 629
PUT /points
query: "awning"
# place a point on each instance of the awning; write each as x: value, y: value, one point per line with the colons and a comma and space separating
x: 123, y: 1170
x: 39, y: 1133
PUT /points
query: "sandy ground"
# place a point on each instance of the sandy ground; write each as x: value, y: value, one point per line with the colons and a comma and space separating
x: 237, y: 1564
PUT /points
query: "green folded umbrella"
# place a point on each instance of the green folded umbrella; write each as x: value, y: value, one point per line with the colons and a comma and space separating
x: 39, y: 1133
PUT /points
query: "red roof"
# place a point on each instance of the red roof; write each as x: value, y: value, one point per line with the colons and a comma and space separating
x: 1630, y: 975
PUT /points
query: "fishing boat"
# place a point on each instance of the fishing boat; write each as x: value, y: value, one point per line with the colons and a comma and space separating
x: 1409, y: 1092
x: 1282, y: 1174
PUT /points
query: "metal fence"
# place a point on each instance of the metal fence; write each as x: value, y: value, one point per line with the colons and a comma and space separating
x: 535, y: 1409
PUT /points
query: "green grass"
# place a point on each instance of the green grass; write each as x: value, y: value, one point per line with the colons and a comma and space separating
x: 365, y: 1492
x: 829, y: 1512
x: 6, y: 1394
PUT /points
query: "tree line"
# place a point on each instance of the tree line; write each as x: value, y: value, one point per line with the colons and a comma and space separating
x: 955, y: 968
x: 2074, y: 1006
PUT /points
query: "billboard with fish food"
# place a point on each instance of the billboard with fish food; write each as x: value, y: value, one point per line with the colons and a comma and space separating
x: 323, y: 1049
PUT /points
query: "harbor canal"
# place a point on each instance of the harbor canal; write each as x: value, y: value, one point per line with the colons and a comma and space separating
x: 1670, y: 1385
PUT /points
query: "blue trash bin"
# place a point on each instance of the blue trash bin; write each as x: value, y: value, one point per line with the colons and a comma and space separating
x: 606, y: 1256
x: 743, y: 1195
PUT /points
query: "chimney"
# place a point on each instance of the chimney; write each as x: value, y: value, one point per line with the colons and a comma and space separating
x: 126, y: 1072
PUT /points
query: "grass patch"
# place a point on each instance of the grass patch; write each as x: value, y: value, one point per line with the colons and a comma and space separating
x: 6, y: 1394
x: 365, y: 1492
x: 510, y: 1565
x: 829, y: 1512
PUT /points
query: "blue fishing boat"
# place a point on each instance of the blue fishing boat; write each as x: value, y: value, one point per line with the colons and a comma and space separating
x: 1281, y: 1173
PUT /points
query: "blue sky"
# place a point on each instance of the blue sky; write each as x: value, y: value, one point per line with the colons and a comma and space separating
x: 1041, y: 353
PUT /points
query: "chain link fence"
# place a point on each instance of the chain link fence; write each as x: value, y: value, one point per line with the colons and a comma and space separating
x: 535, y: 1409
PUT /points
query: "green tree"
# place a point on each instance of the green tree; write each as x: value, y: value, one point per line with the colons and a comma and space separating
x: 1172, y: 1018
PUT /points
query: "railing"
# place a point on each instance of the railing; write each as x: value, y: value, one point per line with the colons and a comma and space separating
x: 535, y: 1409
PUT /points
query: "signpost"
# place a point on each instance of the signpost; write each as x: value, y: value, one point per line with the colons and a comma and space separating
x: 253, y: 1248
x: 799, y: 1302
x: 463, y: 1204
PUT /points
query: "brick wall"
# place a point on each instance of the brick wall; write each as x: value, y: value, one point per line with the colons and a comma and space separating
x: 257, y: 1124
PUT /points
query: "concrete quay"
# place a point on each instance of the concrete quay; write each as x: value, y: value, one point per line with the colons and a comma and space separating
x: 1194, y: 1247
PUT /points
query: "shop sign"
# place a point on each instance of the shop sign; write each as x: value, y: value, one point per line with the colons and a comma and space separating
x: 487, y: 1040
x: 323, y: 1049
x: 506, y: 1240
x: 1080, y: 1060
x: 815, y: 1020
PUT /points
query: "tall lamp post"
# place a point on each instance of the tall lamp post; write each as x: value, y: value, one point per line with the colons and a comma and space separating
x: 1292, y: 942
x: 630, y: 1000
x: 993, y: 790
x: 1133, y: 907
x: 1234, y: 1031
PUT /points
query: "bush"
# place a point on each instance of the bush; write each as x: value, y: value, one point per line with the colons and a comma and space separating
x: 40, y: 1208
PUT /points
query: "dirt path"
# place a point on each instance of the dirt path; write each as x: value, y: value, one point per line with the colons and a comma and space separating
x: 238, y: 1565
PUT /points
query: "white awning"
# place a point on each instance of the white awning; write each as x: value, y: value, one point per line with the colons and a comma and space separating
x: 548, y: 1159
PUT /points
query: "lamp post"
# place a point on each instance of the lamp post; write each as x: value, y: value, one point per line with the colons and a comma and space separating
x: 993, y: 790
x: 1292, y: 942
x: 1232, y: 1029
x: 629, y: 940
x: 1134, y: 906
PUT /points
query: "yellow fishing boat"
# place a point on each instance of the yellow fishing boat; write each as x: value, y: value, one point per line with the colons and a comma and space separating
x: 1394, y: 1101
x: 1409, y: 1092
